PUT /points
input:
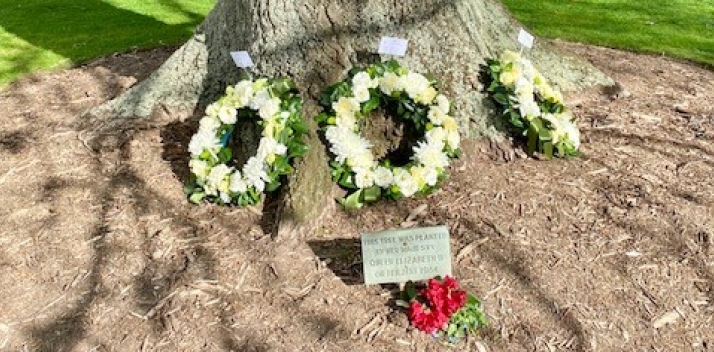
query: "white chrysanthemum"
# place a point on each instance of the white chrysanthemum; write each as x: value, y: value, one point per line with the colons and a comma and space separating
x: 414, y: 84
x: 203, y: 140
x: 254, y: 173
x: 383, y: 177
x: 199, y: 168
x: 243, y: 93
x: 524, y: 88
x: 361, y: 93
x: 215, y: 178
x: 529, y: 72
x: 436, y: 135
x: 363, y: 159
x: 364, y: 177
x: 347, y: 144
x: 556, y: 131
x: 269, y: 109
x: 209, y: 124
x: 571, y: 132
x: 237, y: 184
x: 389, y: 83
x: 261, y: 97
x: 436, y: 115
x: 454, y: 139
x: 403, y: 179
x: 443, y: 103
x: 529, y: 108
x: 362, y: 79
x: 431, y: 154
x: 346, y: 106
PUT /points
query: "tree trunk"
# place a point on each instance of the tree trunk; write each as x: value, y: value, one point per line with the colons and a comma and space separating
x: 316, y: 41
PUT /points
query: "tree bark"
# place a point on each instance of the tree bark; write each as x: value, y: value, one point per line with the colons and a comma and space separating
x: 315, y: 42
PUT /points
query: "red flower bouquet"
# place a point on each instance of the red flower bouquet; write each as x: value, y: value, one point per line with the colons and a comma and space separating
x: 442, y: 306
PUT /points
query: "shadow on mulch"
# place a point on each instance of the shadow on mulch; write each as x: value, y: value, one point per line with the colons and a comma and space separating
x: 343, y: 256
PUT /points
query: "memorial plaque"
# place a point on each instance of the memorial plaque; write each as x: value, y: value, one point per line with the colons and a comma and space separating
x: 406, y: 255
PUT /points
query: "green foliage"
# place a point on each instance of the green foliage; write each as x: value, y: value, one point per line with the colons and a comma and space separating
x: 467, y: 319
x: 678, y: 28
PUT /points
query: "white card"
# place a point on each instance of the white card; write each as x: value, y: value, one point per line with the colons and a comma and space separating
x: 393, y: 46
x: 242, y: 59
x: 525, y: 38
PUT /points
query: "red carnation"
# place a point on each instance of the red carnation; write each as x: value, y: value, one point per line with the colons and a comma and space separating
x: 443, y: 299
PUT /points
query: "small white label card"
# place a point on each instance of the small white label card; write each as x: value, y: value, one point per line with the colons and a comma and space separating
x: 525, y: 38
x: 393, y: 46
x: 242, y: 59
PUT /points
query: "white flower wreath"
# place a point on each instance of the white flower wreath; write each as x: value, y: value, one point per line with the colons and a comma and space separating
x: 411, y: 97
x: 277, y: 107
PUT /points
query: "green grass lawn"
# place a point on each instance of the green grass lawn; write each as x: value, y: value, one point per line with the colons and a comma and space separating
x: 678, y: 28
x: 47, y: 34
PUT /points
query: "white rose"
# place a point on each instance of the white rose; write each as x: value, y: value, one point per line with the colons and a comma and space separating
x: 244, y: 93
x: 415, y: 84
x: 269, y: 109
x: 360, y: 93
x: 209, y: 124
x: 254, y: 173
x: 215, y: 178
x: 426, y: 96
x: 454, y: 139
x: 346, y: 106
x: 389, y: 83
x: 403, y: 179
x: 364, y: 178
x: 443, y: 103
x: 237, y: 184
x: 199, y: 168
x: 363, y: 79
x: 436, y: 135
x: 261, y: 97
x: 227, y: 114
x: 436, y: 115
x: 383, y: 177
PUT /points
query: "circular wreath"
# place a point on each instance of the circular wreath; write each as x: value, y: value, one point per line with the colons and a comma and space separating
x: 276, y: 105
x: 410, y: 97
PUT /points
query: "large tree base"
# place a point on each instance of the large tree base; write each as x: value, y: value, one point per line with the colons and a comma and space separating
x: 315, y: 42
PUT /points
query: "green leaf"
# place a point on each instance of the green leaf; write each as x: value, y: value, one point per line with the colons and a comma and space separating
x: 352, y: 201
x: 299, y: 127
x: 197, y: 197
x: 548, y: 150
x: 532, y: 144
x: 371, y: 194
x: 224, y: 155
x: 410, y: 291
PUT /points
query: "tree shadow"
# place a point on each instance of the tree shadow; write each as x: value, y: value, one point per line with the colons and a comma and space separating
x: 90, y: 23
x: 343, y: 256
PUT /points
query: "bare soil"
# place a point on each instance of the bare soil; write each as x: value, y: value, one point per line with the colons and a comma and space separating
x: 100, y: 251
